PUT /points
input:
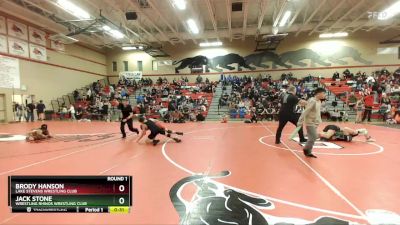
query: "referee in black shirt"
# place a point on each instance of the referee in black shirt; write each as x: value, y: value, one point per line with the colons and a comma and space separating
x: 127, y: 115
x: 287, y: 113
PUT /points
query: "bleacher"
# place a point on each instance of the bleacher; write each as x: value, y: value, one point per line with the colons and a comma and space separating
x: 340, y: 87
x: 184, y: 92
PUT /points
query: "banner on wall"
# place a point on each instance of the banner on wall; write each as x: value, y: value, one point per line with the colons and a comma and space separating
x: 3, y: 43
x: 3, y: 29
x: 17, y: 29
x: 57, y: 45
x: 37, y: 52
x: 131, y: 75
x: 9, y: 72
x: 37, y: 36
x: 18, y: 47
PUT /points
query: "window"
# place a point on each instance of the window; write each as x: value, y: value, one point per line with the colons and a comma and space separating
x: 155, y: 65
x: 126, y: 67
x: 140, y: 65
x: 114, y: 66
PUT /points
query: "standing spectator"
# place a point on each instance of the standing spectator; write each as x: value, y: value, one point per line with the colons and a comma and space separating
x: 352, y: 100
x: 369, y: 103
x: 72, y: 111
x: 76, y: 94
x: 79, y: 113
x: 359, y: 107
x: 63, y: 111
x: 40, y: 110
x: 30, y: 108
x: 18, y: 111
x: 89, y: 94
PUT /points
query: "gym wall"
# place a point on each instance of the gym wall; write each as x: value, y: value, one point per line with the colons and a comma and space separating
x: 62, y: 73
x: 358, y: 52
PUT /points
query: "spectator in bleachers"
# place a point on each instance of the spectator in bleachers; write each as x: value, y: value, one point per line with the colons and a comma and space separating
x: 63, y: 111
x: 335, y: 76
x: 79, y: 113
x: 352, y: 100
x: 89, y: 94
x: 359, y: 107
x: 76, y: 95
x: 395, y: 89
x: 72, y: 112
x: 369, y: 103
x: 199, y: 79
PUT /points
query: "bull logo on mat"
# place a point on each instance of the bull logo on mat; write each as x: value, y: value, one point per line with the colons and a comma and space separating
x: 213, y: 203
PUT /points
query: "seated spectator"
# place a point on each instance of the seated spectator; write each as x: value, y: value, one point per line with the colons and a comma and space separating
x: 384, y: 110
x: 336, y: 76
x: 177, y: 117
x: 79, y: 113
x: 395, y: 89
x: 335, y: 115
x: 199, y: 116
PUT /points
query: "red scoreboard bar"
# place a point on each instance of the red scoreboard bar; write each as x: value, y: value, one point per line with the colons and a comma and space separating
x: 78, y: 194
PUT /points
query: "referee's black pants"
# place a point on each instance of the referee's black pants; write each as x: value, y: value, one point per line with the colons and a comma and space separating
x: 283, y: 120
x: 130, y: 126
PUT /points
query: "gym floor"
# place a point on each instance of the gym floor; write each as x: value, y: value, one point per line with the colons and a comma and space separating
x: 356, y: 182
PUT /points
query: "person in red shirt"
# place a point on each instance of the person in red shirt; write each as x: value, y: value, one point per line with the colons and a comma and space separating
x: 369, y: 102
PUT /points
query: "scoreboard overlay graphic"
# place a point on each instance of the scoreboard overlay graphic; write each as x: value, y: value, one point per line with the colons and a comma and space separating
x: 59, y: 194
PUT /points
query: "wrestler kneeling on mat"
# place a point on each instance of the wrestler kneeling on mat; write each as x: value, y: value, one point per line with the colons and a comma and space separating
x: 334, y: 133
x: 155, y: 128
x: 38, y: 134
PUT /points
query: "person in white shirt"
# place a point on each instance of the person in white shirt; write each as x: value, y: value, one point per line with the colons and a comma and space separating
x: 396, y: 88
x: 89, y: 93
x: 72, y: 111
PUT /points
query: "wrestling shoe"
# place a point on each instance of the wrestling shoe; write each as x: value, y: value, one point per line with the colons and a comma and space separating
x: 155, y: 142
x: 310, y: 155
x: 362, y: 131
x: 177, y: 140
x: 303, y: 140
x: 179, y: 133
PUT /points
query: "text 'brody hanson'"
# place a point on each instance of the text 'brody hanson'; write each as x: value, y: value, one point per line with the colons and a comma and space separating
x: 39, y: 186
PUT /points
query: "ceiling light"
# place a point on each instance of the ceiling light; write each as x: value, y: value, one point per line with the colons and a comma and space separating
x: 285, y: 18
x: 390, y: 12
x: 334, y: 35
x: 73, y: 9
x: 106, y: 28
x: 192, y: 26
x: 140, y: 47
x: 210, y: 44
x: 116, y: 34
x: 126, y: 48
x: 180, y: 4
